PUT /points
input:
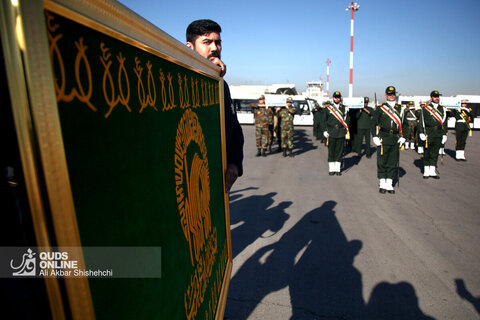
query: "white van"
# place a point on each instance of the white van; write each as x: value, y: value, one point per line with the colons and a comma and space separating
x: 242, y: 104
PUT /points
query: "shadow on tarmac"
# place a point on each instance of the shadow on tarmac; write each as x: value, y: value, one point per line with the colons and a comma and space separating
x: 314, y: 260
x: 260, y: 220
x: 463, y: 292
x: 302, y: 142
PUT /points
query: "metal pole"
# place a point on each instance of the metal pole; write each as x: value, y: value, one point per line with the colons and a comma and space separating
x: 328, y: 76
x: 353, y: 7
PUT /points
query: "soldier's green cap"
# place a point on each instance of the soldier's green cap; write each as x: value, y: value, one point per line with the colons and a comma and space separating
x: 316, y: 104
x: 325, y: 102
x: 262, y: 97
x: 435, y: 93
x: 390, y: 90
x: 289, y: 99
x: 366, y: 100
x: 337, y: 94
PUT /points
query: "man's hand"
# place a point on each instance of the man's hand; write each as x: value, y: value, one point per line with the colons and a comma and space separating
x: 444, y: 139
x: 401, y: 141
x: 422, y: 136
x: 218, y: 62
x: 325, y: 134
x: 230, y: 176
x: 377, y: 141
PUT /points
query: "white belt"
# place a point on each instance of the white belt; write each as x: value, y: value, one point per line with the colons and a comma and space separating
x: 460, y: 120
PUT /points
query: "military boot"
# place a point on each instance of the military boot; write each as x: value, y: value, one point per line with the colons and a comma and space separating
x: 259, y: 152
x: 263, y: 153
x: 290, y: 152
x: 269, y: 148
x: 284, y: 152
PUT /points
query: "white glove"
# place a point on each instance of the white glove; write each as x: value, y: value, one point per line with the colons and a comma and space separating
x: 423, y: 137
x: 444, y: 139
x: 325, y: 133
x: 377, y: 141
x: 401, y: 141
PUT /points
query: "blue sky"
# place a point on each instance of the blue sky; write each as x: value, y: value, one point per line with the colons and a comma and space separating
x: 415, y: 45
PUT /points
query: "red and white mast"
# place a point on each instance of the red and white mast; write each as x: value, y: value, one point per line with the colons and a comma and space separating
x: 328, y: 75
x: 353, y: 7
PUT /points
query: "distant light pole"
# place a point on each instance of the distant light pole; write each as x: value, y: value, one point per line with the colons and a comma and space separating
x: 328, y: 75
x: 353, y: 7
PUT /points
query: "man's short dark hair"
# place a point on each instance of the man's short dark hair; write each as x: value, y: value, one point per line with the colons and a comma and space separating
x: 200, y: 27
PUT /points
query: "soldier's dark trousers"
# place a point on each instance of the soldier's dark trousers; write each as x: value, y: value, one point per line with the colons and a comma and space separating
x: 430, y: 156
x: 335, y: 149
x: 388, y: 162
x: 461, y: 138
x: 358, y: 141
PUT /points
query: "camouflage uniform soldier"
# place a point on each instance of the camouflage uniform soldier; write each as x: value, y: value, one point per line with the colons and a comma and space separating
x: 433, y: 130
x: 286, y: 115
x: 336, y: 131
x: 462, y: 129
x: 262, y: 115
x: 271, y: 134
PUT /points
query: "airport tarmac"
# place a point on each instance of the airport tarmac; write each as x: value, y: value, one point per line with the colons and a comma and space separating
x: 307, y: 245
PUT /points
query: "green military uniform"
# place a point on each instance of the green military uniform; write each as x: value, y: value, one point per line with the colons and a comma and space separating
x: 412, y: 121
x: 285, y: 116
x: 420, y: 142
x: 433, y: 129
x: 391, y: 127
x: 317, y: 123
x: 462, y: 129
x: 262, y: 116
x: 336, y: 128
x: 364, y: 126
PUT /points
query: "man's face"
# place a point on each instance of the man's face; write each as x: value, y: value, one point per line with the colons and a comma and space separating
x: 390, y: 96
x: 208, y: 45
x: 337, y: 100
x: 261, y: 101
x: 464, y: 105
x: 435, y: 99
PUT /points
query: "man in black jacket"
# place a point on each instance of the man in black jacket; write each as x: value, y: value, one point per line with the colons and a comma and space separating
x: 203, y: 36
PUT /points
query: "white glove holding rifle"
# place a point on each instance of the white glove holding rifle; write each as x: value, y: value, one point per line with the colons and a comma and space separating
x: 401, y: 141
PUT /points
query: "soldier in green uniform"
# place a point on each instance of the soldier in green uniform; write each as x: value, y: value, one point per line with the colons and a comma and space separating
x: 420, y: 143
x: 336, y: 131
x: 262, y: 115
x: 433, y: 130
x: 323, y: 113
x: 391, y: 126
x: 462, y: 129
x: 412, y: 120
x: 317, y: 115
x: 364, y: 126
x: 285, y: 116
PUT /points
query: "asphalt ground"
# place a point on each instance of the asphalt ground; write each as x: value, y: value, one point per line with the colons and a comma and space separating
x: 307, y: 245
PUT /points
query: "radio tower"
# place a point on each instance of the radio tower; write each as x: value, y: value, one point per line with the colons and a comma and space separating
x: 328, y: 75
x: 353, y: 7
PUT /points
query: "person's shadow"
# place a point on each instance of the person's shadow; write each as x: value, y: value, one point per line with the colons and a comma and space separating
x: 314, y: 260
x: 302, y: 142
x: 467, y: 295
x: 256, y: 219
